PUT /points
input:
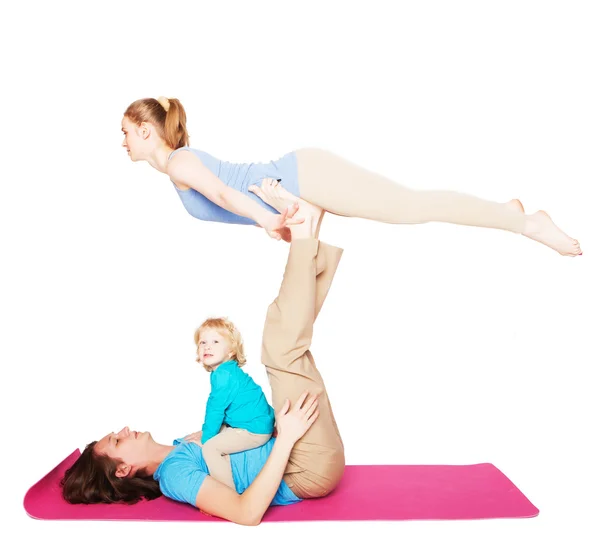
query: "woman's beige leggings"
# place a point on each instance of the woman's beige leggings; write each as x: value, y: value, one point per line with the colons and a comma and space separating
x: 343, y: 188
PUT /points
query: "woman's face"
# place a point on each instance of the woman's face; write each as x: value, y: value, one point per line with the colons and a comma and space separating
x: 133, y: 448
x: 134, y: 140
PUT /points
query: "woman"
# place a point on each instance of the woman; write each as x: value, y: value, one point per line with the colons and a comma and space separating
x: 214, y: 190
x: 305, y: 460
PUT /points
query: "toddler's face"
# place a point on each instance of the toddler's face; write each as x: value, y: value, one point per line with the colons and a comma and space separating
x: 213, y: 348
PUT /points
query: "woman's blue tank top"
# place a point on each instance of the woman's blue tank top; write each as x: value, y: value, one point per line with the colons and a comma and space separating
x: 239, y: 177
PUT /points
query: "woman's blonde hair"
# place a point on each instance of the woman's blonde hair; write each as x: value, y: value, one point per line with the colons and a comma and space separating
x: 167, y: 115
x: 228, y: 330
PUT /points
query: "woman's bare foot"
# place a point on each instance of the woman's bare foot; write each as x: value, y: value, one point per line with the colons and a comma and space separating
x: 540, y: 227
x: 272, y: 193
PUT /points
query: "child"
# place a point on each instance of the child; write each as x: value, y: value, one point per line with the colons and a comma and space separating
x: 238, y: 416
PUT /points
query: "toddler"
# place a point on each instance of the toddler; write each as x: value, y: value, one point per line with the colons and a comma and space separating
x: 238, y: 416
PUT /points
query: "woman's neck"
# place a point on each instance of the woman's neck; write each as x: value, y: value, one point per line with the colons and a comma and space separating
x: 159, y: 157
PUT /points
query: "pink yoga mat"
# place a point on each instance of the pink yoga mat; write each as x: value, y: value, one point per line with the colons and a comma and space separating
x: 366, y: 492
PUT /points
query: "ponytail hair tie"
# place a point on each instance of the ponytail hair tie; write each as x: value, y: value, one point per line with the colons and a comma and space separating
x: 164, y: 102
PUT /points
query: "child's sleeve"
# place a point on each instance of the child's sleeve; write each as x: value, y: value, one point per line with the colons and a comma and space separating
x: 221, y: 395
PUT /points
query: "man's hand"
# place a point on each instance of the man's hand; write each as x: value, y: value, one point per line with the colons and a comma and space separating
x: 196, y: 437
x: 294, y: 421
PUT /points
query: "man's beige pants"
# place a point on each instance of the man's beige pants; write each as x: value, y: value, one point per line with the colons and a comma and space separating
x: 317, y: 461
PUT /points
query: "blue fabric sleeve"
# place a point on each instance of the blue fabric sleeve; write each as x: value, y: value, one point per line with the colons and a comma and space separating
x: 222, y: 389
x: 182, y: 482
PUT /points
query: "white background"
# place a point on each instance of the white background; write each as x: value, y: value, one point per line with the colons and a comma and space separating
x: 439, y: 344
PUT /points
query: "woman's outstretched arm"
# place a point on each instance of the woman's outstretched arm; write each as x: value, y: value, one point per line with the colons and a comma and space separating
x: 249, y: 507
x: 185, y: 168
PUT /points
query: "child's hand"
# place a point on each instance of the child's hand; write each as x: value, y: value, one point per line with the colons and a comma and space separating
x: 294, y: 421
x: 196, y: 437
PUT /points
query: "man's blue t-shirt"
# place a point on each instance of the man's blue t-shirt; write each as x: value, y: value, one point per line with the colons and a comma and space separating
x: 183, y: 471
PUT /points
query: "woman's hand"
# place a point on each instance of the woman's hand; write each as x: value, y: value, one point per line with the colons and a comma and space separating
x: 294, y: 421
x: 196, y: 437
x: 276, y: 225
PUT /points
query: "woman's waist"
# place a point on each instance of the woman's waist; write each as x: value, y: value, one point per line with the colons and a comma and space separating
x: 284, y: 168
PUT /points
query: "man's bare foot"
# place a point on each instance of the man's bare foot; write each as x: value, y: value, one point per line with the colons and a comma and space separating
x: 310, y: 227
x: 540, y: 227
x: 272, y: 193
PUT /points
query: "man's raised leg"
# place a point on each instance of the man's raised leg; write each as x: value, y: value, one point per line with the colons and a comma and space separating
x: 317, y: 460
